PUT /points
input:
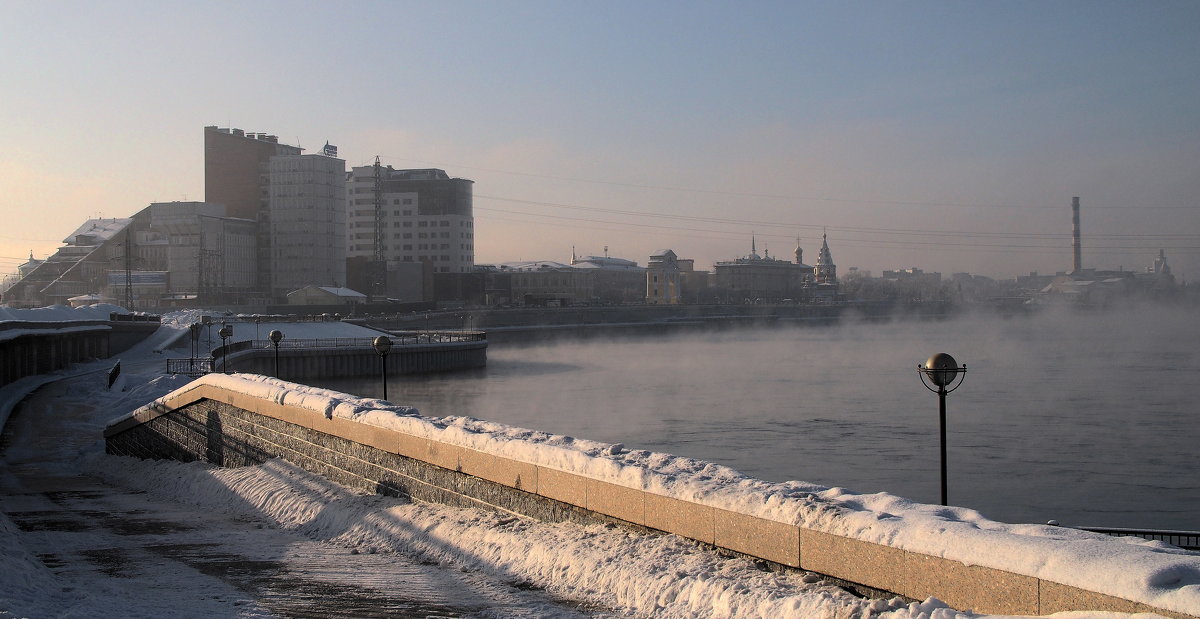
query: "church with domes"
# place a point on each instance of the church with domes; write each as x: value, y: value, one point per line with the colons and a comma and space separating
x: 763, y: 279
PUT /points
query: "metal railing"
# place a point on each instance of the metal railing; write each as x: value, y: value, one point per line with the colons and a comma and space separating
x: 400, y: 338
x: 194, y: 366
x: 1189, y: 540
x: 198, y: 366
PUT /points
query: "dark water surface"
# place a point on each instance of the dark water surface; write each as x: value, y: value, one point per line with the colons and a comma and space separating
x: 1089, y: 419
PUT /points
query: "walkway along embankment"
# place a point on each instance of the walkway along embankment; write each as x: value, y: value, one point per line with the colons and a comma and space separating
x: 244, y: 420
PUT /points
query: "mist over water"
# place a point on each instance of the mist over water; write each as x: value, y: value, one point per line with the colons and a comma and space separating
x: 1087, y: 418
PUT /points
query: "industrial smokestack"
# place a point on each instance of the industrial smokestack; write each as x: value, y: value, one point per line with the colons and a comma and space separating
x: 1075, y: 239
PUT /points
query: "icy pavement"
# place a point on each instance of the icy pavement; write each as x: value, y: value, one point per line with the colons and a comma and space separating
x: 111, y: 549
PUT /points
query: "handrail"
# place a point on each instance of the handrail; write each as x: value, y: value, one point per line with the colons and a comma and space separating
x: 193, y: 366
x: 403, y: 338
x: 399, y: 339
x: 1189, y: 540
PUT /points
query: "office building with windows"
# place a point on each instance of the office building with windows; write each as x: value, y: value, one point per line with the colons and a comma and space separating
x: 426, y: 217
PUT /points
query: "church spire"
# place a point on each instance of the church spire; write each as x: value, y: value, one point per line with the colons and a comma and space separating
x: 826, y: 270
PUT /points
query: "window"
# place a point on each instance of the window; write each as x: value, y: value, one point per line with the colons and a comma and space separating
x: 407, y: 224
x: 408, y: 201
x: 444, y: 224
x: 408, y: 248
x: 407, y: 213
x: 422, y: 224
x: 408, y: 235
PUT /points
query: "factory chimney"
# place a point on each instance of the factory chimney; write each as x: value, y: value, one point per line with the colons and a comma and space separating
x: 1075, y: 238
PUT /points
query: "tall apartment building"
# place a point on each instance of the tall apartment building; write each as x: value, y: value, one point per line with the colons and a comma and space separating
x: 307, y: 220
x: 234, y: 163
x: 296, y: 200
x: 427, y: 217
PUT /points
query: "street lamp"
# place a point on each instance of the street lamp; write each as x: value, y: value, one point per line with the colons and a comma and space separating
x: 382, y: 345
x: 942, y: 370
x: 206, y: 320
x: 195, y: 332
x: 276, y: 336
x: 226, y: 332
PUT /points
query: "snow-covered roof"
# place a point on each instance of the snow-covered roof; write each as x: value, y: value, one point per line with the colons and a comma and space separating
x: 61, y: 313
x: 343, y: 292
x: 101, y: 229
x: 535, y: 265
x: 607, y: 263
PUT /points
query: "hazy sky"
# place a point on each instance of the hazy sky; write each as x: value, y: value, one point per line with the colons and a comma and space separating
x: 949, y: 136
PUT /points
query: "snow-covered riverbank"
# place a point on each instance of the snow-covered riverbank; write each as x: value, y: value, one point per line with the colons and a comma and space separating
x: 604, y: 567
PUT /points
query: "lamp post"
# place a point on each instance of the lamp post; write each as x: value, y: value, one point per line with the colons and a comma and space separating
x: 276, y: 336
x: 942, y: 370
x: 206, y: 320
x: 195, y: 333
x: 382, y: 345
x: 226, y: 332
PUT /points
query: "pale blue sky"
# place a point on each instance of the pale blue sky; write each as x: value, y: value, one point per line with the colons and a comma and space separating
x: 643, y: 126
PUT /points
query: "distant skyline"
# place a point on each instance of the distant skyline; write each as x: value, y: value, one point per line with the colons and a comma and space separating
x: 948, y: 136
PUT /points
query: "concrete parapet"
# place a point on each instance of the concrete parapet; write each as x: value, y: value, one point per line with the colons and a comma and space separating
x: 210, y: 423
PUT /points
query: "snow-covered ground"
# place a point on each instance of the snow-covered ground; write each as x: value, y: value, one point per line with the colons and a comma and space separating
x: 610, y: 571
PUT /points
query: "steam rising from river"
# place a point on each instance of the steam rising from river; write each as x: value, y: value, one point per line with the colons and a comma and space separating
x: 1087, y: 418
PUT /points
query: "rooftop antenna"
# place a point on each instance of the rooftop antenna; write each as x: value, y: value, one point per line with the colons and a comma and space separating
x: 606, y: 251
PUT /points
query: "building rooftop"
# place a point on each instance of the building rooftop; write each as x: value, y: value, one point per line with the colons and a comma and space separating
x: 96, y: 231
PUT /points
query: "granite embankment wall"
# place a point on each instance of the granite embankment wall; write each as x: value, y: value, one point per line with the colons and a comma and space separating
x: 229, y: 428
x: 316, y: 363
x: 31, y: 348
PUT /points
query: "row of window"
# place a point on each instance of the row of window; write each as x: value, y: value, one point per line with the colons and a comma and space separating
x: 434, y: 258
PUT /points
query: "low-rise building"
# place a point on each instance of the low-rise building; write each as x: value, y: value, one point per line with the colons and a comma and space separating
x: 763, y: 279
x: 79, y: 267
x: 549, y: 283
x: 664, y: 278
x: 614, y: 280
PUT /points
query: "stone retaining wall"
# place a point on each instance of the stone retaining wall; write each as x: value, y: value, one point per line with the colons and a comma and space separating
x: 232, y: 429
x: 318, y: 363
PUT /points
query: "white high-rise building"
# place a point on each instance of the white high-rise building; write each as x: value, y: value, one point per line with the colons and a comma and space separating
x: 427, y: 217
x: 307, y: 219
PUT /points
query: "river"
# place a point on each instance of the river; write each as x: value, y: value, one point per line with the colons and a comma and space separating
x: 1085, y: 418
